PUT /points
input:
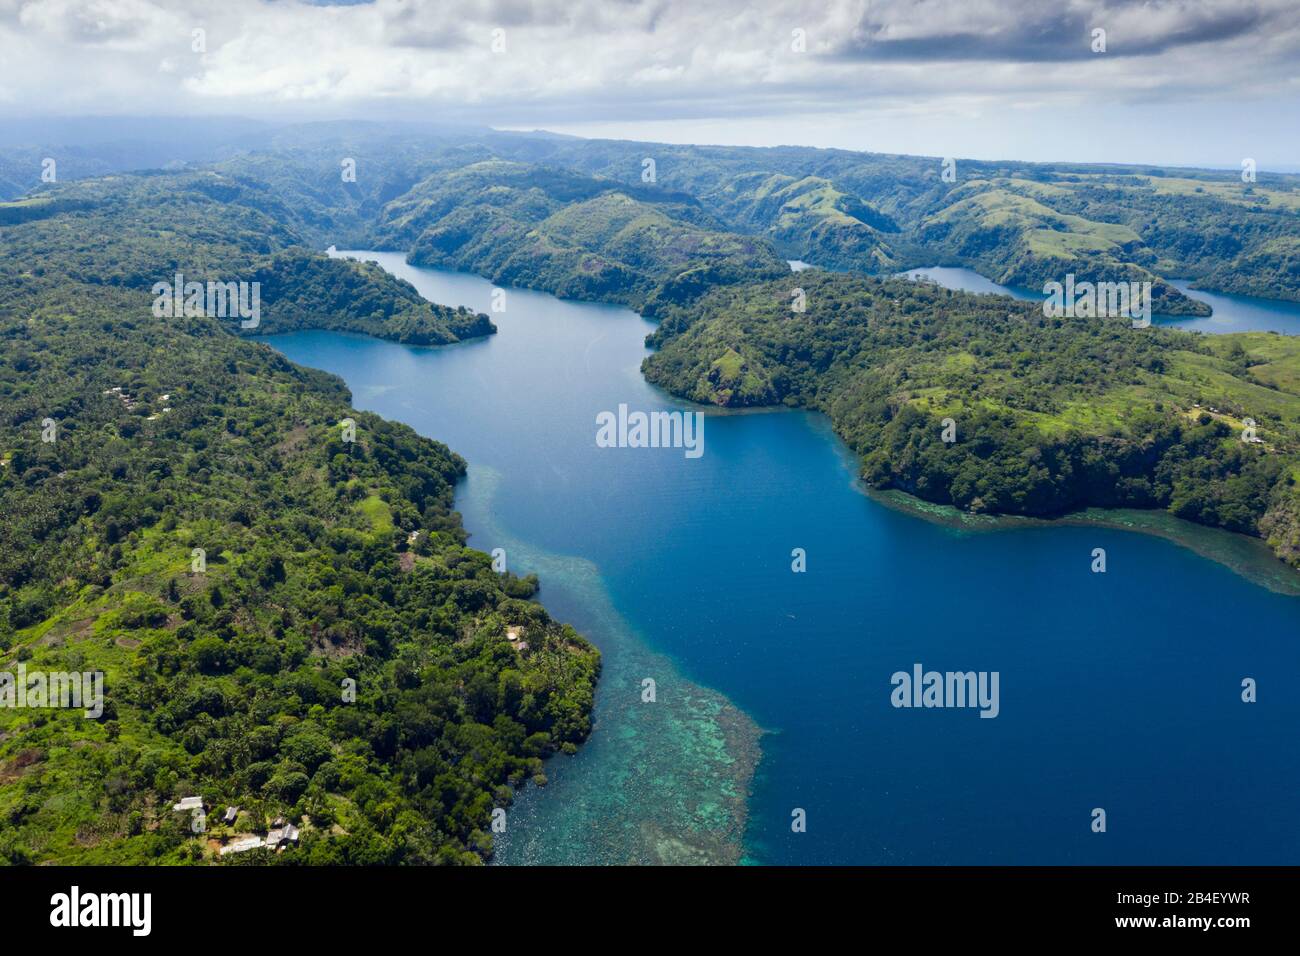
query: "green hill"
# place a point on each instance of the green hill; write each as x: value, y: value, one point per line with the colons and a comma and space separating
x: 286, y: 620
x: 133, y: 231
x: 571, y: 235
x: 1050, y: 415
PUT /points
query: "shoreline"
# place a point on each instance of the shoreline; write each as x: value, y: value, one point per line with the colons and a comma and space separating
x: 1242, y: 554
x: 690, y: 759
x: 675, y: 786
x: 696, y: 767
x: 1246, y: 556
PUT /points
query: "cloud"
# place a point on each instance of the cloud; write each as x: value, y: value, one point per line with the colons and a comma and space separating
x: 1027, y: 31
x: 569, y: 61
x: 128, y: 25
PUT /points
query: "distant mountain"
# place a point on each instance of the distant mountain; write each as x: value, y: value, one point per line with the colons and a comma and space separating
x: 1019, y: 223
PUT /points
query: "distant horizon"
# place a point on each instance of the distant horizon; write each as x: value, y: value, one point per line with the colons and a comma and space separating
x: 112, y: 135
x: 1189, y: 83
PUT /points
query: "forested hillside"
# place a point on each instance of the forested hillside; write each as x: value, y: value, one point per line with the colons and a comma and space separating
x: 132, y: 231
x: 504, y: 204
x: 1047, y: 415
x: 1016, y: 223
x: 184, y: 510
x: 190, y: 514
x: 575, y: 236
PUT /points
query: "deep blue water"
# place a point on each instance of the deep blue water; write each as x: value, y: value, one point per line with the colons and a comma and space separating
x: 1118, y: 690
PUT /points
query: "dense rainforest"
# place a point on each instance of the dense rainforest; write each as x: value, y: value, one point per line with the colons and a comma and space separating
x: 198, y: 525
x: 274, y: 585
x: 1047, y: 415
x: 651, y: 223
x: 1017, y: 223
x: 525, y: 208
x: 132, y: 231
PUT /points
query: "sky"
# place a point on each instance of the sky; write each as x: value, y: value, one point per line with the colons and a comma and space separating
x: 1178, y: 82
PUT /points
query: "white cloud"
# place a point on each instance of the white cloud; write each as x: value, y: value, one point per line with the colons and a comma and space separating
x: 582, y: 61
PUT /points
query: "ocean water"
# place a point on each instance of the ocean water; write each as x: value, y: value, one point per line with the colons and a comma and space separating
x: 1118, y: 691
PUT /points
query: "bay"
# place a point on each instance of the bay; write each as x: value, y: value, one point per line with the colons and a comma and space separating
x: 1119, y: 691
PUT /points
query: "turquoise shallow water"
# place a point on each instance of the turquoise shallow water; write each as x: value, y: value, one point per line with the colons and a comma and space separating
x: 1118, y: 690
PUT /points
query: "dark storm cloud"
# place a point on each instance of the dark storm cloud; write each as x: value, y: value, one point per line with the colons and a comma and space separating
x: 1029, y: 31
